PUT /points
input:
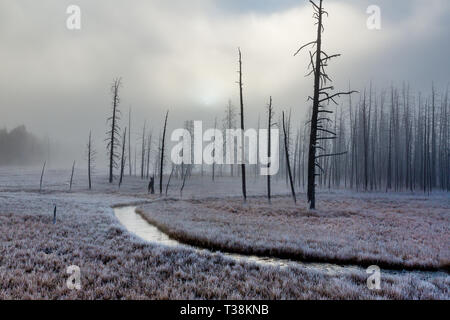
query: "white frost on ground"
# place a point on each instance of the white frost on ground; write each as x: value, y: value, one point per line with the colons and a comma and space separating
x: 34, y: 253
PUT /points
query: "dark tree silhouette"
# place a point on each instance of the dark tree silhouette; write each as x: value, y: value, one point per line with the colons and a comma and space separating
x: 244, y: 188
x: 90, y: 158
x: 42, y: 176
x: 214, y: 150
x: 143, y: 152
x: 19, y: 147
x: 170, y: 178
x: 270, y: 115
x: 322, y: 97
x: 123, y: 157
x: 71, y: 176
x: 149, y: 149
x: 286, y: 149
x: 114, y: 131
x: 161, y: 168
x: 229, y: 122
x: 129, y: 141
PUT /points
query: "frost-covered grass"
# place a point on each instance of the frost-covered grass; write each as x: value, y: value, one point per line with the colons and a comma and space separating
x: 404, y: 232
x: 34, y: 253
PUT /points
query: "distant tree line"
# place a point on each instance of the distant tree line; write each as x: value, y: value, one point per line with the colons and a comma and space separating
x: 19, y: 147
x: 395, y: 139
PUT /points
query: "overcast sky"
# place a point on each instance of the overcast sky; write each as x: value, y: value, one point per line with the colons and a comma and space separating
x: 182, y: 55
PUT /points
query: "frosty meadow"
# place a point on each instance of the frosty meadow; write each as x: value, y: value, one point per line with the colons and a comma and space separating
x: 225, y: 150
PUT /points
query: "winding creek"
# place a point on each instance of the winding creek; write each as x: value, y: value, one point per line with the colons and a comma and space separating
x: 137, y: 225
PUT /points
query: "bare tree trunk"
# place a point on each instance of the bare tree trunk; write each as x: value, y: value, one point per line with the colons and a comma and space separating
x: 129, y: 141
x: 42, y: 176
x: 214, y: 150
x: 143, y: 152
x: 161, y: 169
x: 244, y: 188
x: 184, y: 181
x: 123, y: 160
x: 389, y: 165
x: 286, y: 149
x: 318, y: 107
x: 114, y: 128
x: 315, y: 113
x: 269, y: 126
x: 149, y: 148
x: 71, y: 176
x: 170, y: 178
x: 433, y: 141
x: 90, y: 159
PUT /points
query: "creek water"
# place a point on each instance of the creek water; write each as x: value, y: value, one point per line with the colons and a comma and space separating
x: 137, y: 225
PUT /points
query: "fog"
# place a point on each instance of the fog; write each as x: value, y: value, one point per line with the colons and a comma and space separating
x: 182, y: 56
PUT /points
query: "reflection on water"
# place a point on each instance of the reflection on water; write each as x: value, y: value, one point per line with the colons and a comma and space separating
x: 137, y: 225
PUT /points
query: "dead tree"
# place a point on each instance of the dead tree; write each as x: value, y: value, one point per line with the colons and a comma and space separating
x: 143, y: 152
x: 286, y: 149
x: 270, y: 114
x: 214, y: 149
x: 184, y: 181
x: 161, y: 169
x: 296, y: 152
x: 54, y: 215
x: 170, y: 178
x: 129, y: 141
x: 42, y: 176
x: 229, y: 123
x: 123, y: 157
x: 90, y: 157
x: 389, y: 165
x: 149, y: 148
x: 244, y: 188
x: 433, y: 139
x: 71, y: 176
x: 321, y: 98
x: 114, y: 131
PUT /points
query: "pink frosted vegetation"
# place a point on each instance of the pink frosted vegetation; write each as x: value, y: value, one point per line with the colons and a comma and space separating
x: 409, y: 232
x: 34, y: 253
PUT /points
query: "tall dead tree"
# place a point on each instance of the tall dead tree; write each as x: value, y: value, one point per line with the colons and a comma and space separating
x: 143, y: 152
x: 322, y: 97
x: 149, y: 149
x: 114, y: 131
x: 129, y: 141
x: 270, y: 123
x: 433, y: 138
x: 71, y: 176
x: 161, y: 168
x: 244, y: 188
x: 214, y: 150
x: 288, y: 164
x: 42, y: 176
x: 170, y: 178
x: 90, y: 158
x: 123, y: 157
x: 229, y: 122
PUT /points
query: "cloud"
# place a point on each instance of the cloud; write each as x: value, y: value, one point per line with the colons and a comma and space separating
x: 182, y: 55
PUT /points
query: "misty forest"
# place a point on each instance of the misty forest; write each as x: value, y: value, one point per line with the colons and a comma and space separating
x: 363, y: 180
